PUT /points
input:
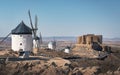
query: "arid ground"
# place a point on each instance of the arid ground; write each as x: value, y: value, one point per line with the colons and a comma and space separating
x: 59, y: 63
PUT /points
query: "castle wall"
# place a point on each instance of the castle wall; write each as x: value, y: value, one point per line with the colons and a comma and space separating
x: 89, y: 39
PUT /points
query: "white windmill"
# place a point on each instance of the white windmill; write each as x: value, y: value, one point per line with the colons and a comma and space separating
x: 68, y: 48
x: 52, y: 45
x: 22, y: 40
x: 36, y: 39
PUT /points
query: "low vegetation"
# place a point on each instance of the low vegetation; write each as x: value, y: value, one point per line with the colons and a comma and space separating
x: 80, y: 66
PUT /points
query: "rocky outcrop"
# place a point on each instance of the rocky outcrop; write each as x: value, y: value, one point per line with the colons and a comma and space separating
x: 57, y: 66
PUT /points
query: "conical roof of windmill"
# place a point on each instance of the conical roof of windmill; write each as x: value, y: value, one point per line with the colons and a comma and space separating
x: 22, y: 29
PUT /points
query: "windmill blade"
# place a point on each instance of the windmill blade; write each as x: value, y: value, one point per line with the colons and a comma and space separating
x: 54, y: 39
x: 4, y: 38
x: 35, y: 29
x: 36, y: 21
x: 54, y: 42
x: 71, y: 45
x: 31, y: 23
x: 41, y: 38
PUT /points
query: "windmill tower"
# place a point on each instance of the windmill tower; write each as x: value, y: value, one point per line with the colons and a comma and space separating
x: 68, y: 48
x: 36, y: 42
x: 52, y: 44
x: 22, y: 40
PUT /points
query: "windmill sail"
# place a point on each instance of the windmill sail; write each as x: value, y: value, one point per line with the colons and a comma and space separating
x: 5, y: 38
x: 36, y: 42
x: 41, y: 38
x: 35, y: 29
x: 31, y: 23
x: 36, y: 21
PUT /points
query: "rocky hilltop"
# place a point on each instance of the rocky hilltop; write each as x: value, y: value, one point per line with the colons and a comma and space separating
x: 62, y: 66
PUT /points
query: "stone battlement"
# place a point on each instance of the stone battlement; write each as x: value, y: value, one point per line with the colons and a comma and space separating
x: 89, y: 39
x: 92, y: 41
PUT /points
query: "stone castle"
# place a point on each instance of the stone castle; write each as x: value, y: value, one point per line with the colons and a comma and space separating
x: 92, y: 41
x: 89, y: 39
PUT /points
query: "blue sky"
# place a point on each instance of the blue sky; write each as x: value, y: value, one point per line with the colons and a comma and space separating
x: 63, y: 17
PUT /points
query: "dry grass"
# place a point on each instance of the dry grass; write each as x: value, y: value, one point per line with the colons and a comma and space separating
x: 80, y: 66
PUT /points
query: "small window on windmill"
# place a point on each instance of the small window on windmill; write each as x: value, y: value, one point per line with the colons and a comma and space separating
x: 20, y: 43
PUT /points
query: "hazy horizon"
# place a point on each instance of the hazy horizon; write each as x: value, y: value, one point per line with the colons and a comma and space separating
x: 66, y: 38
x: 63, y: 17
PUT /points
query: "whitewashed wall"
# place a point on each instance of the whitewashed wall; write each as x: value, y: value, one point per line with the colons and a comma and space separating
x: 67, y: 50
x: 36, y: 44
x: 51, y: 45
x: 22, y: 41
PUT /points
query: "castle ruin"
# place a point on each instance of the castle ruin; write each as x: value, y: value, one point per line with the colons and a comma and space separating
x: 89, y: 39
x: 92, y: 41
